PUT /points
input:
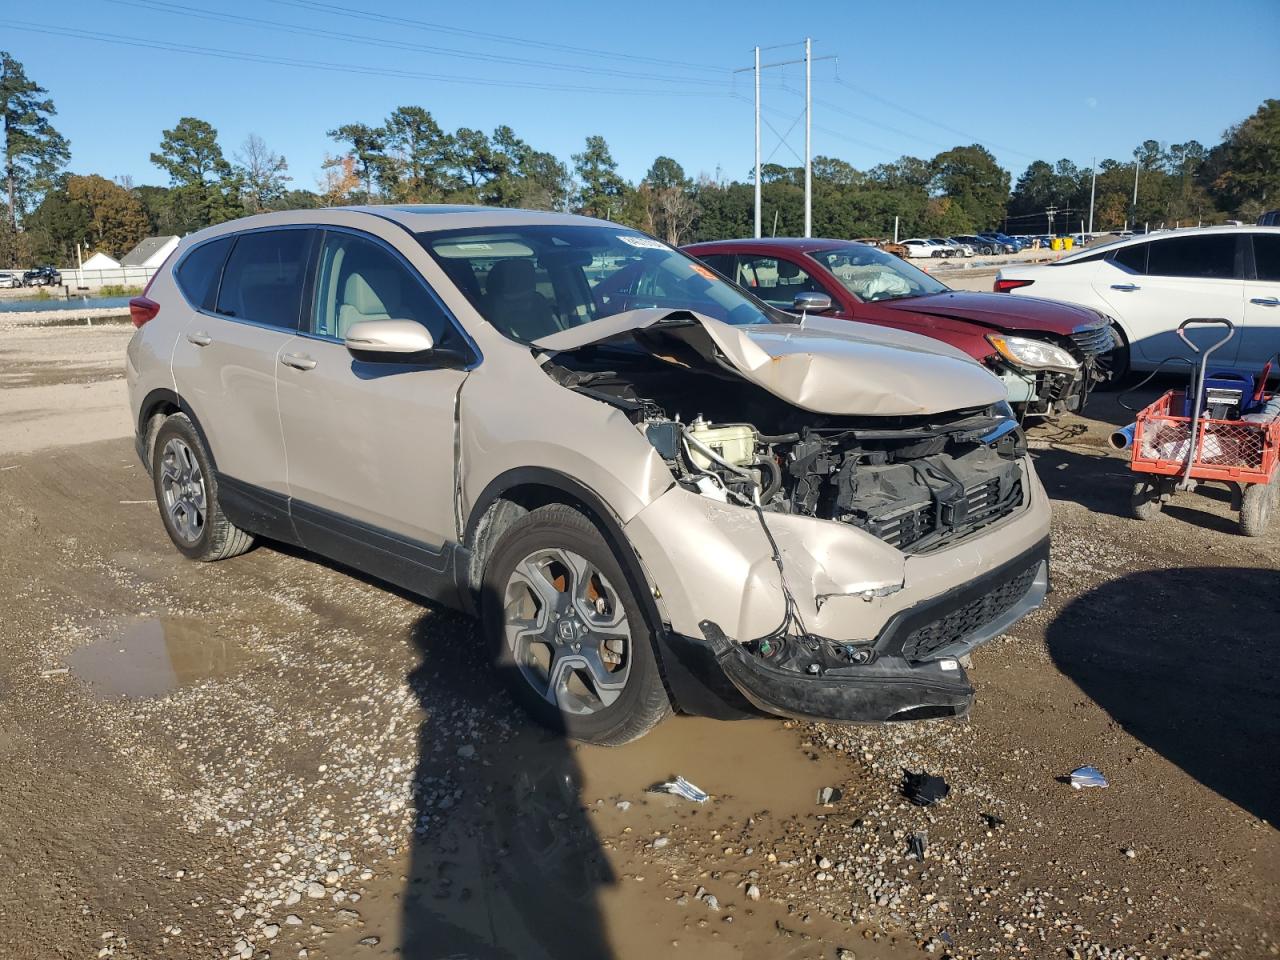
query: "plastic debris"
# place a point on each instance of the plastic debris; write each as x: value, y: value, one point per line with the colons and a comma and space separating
x: 681, y: 787
x: 917, y: 843
x: 829, y: 795
x: 1082, y: 777
x: 923, y: 789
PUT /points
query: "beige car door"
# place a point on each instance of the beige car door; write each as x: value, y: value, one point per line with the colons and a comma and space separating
x: 224, y: 363
x: 370, y: 446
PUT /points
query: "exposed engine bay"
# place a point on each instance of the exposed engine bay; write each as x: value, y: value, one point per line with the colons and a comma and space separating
x: 915, y: 482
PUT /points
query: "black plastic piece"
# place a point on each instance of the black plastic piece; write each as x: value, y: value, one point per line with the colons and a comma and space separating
x: 924, y: 789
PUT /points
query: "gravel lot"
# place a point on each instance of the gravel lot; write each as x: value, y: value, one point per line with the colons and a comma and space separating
x: 272, y: 756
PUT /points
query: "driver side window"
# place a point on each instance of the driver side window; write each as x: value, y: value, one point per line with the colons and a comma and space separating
x: 775, y: 281
x: 357, y: 279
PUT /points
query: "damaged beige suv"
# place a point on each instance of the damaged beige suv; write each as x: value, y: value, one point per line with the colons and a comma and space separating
x: 655, y: 490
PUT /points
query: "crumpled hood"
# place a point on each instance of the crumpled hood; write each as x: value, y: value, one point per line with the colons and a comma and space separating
x: 999, y: 311
x: 822, y: 365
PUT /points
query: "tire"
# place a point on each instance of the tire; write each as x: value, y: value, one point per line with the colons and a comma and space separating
x: 186, y: 487
x: 1145, y: 502
x: 551, y: 650
x: 1257, y: 505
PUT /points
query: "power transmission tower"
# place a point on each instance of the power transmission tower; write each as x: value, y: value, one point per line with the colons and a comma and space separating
x: 807, y: 60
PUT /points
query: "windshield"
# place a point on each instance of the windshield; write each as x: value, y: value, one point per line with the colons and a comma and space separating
x: 533, y: 281
x: 871, y: 274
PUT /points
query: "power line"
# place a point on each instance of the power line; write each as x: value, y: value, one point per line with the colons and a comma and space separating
x: 337, y: 10
x: 178, y: 9
x: 868, y: 120
x: 328, y: 66
x: 937, y: 123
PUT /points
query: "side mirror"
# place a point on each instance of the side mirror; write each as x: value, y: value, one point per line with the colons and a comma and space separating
x: 398, y: 341
x: 811, y: 303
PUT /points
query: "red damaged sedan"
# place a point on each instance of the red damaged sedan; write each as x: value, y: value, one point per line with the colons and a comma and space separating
x: 1049, y: 354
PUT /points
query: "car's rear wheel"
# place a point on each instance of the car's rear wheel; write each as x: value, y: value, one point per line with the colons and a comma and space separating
x: 187, y: 492
x: 568, y: 634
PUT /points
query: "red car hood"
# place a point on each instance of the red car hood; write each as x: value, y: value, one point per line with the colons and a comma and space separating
x: 999, y: 311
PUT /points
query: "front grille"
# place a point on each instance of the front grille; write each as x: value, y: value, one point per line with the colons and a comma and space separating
x: 905, y: 527
x: 1092, y: 341
x: 922, y: 643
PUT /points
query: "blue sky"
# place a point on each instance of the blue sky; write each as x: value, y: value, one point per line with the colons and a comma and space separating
x: 1029, y: 80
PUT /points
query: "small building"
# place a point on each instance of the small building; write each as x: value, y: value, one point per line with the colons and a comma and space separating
x: 151, y: 252
x: 100, y: 261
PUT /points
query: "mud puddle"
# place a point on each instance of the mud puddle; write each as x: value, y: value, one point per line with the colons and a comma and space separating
x: 539, y: 848
x: 152, y: 656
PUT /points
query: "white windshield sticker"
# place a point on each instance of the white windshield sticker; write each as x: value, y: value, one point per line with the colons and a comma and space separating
x: 645, y: 243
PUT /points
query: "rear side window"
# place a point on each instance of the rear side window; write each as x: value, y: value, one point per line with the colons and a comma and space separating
x: 1132, y: 258
x: 198, y: 274
x: 262, y: 280
x: 1266, y: 256
x: 722, y: 263
x: 1201, y: 257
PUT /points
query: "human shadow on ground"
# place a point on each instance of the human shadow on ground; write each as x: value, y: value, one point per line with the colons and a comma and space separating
x: 1184, y: 660
x: 504, y: 861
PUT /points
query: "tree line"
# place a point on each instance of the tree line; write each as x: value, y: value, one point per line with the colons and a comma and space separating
x: 49, y: 213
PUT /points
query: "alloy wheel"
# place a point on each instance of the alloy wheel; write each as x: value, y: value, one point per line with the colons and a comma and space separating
x: 567, y: 630
x: 182, y: 488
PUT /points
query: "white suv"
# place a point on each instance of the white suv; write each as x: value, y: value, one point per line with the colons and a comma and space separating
x: 1150, y: 284
x: 654, y: 488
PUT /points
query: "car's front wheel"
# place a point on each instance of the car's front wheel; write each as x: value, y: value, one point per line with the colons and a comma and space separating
x: 187, y: 491
x: 568, y: 633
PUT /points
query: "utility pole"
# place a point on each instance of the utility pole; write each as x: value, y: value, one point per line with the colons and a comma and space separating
x: 757, y: 143
x: 1093, y: 189
x: 1137, y: 165
x: 808, y: 137
x: 808, y: 60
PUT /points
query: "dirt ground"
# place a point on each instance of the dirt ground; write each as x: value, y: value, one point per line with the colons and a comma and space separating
x: 272, y: 756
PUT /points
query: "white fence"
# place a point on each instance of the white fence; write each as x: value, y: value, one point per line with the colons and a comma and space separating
x: 80, y: 280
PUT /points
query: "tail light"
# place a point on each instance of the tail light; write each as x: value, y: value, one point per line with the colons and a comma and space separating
x: 1004, y: 286
x: 142, y: 309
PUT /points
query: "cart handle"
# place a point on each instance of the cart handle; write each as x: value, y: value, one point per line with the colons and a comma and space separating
x: 1231, y: 332
x: 1193, y: 438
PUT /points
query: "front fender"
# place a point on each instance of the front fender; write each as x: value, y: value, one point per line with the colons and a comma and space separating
x: 713, y: 561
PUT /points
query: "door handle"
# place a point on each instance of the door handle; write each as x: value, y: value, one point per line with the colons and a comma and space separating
x: 1126, y: 287
x: 199, y: 338
x: 1266, y: 301
x: 298, y: 361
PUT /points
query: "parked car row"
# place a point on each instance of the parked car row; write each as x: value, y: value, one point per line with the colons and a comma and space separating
x: 39, y: 277
x: 984, y: 244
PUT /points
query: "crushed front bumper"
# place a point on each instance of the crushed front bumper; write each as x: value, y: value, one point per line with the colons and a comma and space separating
x: 911, y: 670
x: 1045, y: 393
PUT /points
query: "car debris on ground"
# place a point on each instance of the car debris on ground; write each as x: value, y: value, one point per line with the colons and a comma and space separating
x: 1082, y: 777
x: 681, y: 787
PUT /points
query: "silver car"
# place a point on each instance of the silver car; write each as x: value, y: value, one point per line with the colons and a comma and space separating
x: 655, y: 491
